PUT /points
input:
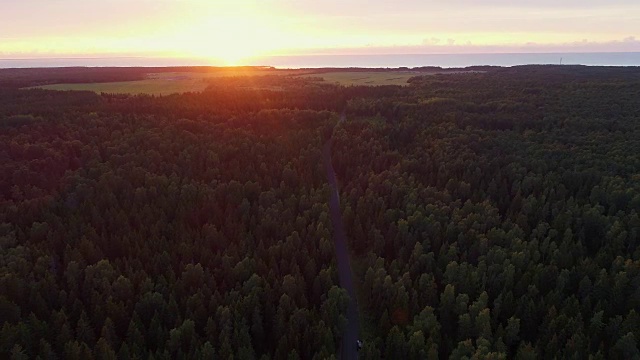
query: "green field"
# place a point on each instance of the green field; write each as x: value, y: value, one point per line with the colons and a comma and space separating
x: 375, y: 78
x: 173, y: 82
x: 150, y: 86
x: 368, y: 78
x: 165, y: 83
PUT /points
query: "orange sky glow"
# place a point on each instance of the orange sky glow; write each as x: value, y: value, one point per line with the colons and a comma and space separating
x: 231, y: 32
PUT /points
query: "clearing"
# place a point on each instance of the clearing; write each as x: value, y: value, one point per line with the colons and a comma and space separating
x: 368, y: 78
x: 166, y: 83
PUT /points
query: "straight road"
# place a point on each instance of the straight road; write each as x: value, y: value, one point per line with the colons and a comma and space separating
x: 348, y: 349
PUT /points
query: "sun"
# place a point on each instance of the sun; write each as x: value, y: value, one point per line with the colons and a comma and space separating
x: 232, y: 50
x: 230, y: 40
x: 232, y: 33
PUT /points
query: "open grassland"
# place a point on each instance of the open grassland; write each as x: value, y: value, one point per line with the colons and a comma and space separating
x: 375, y: 78
x: 367, y: 78
x: 167, y: 83
x: 182, y: 82
x: 150, y: 86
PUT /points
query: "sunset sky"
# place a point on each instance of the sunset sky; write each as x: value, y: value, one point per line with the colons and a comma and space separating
x: 240, y: 29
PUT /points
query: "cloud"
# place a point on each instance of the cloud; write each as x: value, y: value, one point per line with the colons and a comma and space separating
x: 464, y: 46
x: 629, y: 43
x: 431, y: 41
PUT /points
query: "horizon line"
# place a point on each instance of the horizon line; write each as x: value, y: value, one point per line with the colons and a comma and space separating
x: 307, y: 55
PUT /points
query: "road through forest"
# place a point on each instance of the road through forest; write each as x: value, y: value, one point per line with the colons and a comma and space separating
x: 348, y: 348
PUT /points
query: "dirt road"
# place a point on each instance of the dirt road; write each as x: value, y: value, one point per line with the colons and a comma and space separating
x: 348, y: 348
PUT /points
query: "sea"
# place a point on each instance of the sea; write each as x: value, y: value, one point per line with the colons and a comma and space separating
x: 345, y: 61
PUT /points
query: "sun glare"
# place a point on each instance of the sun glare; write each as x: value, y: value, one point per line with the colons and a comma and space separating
x: 230, y: 39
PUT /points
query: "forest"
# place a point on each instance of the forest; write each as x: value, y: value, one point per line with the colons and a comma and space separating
x: 492, y: 214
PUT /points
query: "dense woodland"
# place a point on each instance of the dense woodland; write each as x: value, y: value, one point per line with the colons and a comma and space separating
x: 490, y: 215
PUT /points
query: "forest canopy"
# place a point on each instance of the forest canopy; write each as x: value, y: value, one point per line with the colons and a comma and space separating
x: 493, y: 214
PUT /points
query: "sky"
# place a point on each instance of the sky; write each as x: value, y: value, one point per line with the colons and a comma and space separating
x: 231, y: 31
